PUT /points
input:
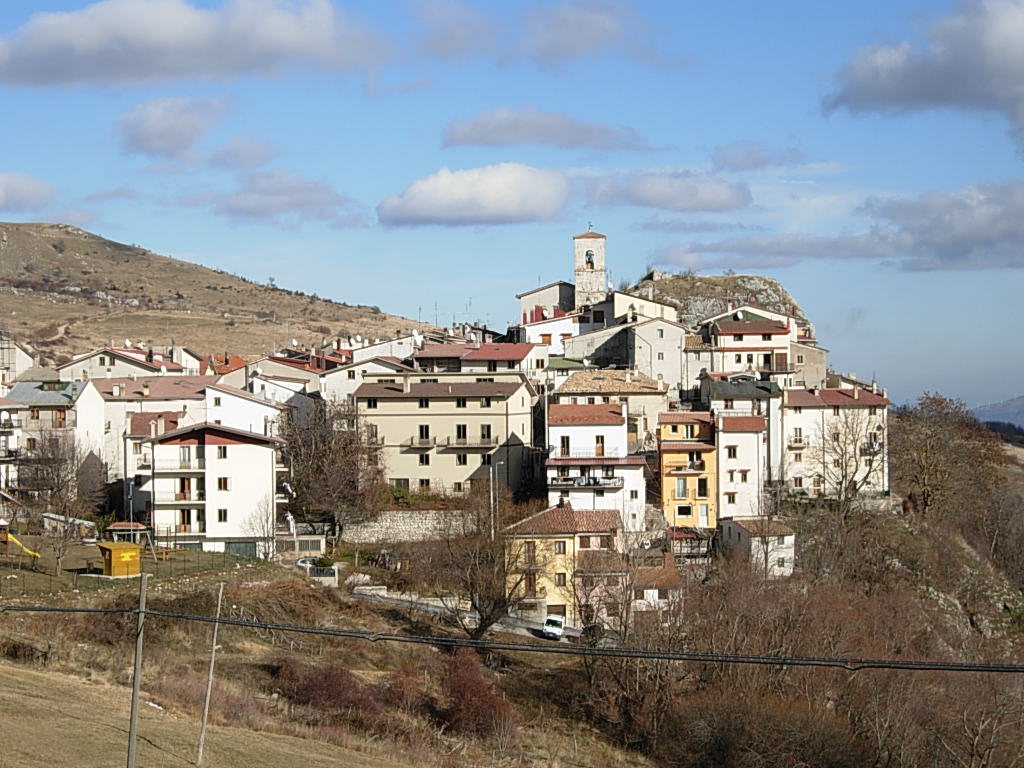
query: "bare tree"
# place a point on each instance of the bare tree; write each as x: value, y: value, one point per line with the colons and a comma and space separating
x: 337, y: 472
x: 262, y: 526
x: 66, y: 483
x: 848, y: 456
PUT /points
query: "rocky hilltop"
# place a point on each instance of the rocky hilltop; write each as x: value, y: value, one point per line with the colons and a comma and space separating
x: 64, y: 290
x: 699, y: 296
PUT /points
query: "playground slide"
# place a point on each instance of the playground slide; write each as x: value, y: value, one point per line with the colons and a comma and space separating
x: 28, y: 551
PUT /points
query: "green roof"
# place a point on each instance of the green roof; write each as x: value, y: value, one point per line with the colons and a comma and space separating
x: 565, y: 364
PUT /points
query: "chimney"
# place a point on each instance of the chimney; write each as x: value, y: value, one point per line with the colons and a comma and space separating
x: 116, y: 390
x: 145, y: 389
x: 160, y: 424
x: 856, y: 393
x: 406, y: 384
x: 629, y: 377
x: 152, y: 429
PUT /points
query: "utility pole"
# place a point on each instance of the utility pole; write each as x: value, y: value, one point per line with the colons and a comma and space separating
x: 492, y: 502
x: 209, y: 677
x: 133, y: 721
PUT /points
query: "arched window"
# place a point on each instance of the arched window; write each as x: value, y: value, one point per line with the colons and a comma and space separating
x: 590, y: 259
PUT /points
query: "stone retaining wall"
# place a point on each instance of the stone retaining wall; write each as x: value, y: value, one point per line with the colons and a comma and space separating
x: 398, y: 525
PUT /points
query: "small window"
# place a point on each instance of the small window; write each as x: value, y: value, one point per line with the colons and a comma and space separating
x: 781, y: 562
x: 222, y: 515
x: 424, y: 431
x: 730, y: 498
x: 371, y: 402
x: 559, y: 547
x: 492, y: 365
x: 743, y: 475
x: 424, y: 484
x: 33, y: 414
x: 730, y: 451
x: 766, y: 337
x: 798, y: 409
x: 737, y: 337
x: 661, y: 333
x: 661, y: 355
x: 486, y: 459
x: 835, y: 411
x: 485, y: 402
x: 872, y: 411
x: 634, y: 494
x: 222, y: 451
x: 460, y: 402
x: 798, y: 458
x: 798, y: 482
x: 799, y: 359
x: 457, y: 487
x: 352, y: 374
x: 424, y: 402
x: 598, y: 315
x: 216, y: 401
x: 461, y: 459
x: 137, y: 448
x: 559, y: 579
x: 739, y: 358
x: 729, y: 403
x: 222, y: 484
x: 674, y: 429
x: 424, y: 459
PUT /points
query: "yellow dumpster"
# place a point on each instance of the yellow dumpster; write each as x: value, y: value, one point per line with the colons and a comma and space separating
x: 120, y: 558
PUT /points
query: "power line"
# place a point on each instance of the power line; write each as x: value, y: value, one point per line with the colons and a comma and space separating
x: 848, y: 664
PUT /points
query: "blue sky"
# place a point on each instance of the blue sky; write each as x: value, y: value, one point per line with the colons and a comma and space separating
x: 413, y: 154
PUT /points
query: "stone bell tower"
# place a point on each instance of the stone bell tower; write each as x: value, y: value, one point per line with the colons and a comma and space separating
x: 590, y: 272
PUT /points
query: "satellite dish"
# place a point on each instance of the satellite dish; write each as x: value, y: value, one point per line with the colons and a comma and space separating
x: 359, y: 339
x: 163, y: 369
x: 295, y: 342
x: 259, y: 371
x: 544, y: 314
x: 417, y: 338
x: 351, y: 342
x: 376, y: 341
x: 586, y: 362
x: 127, y: 343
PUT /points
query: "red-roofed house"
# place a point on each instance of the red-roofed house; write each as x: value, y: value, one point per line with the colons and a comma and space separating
x: 558, y: 555
x: 482, y: 358
x: 742, y: 464
x: 835, y: 439
x: 588, y: 464
x: 110, y: 362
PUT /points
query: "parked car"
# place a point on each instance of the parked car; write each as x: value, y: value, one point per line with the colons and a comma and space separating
x: 554, y: 627
x: 306, y: 563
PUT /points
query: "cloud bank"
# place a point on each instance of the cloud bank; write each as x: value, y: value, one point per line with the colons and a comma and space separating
x: 506, y: 127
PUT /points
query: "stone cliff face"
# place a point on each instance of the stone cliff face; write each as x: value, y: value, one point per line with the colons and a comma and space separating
x: 699, y: 296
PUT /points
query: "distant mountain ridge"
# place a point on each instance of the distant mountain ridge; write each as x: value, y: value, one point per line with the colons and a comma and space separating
x: 1010, y: 411
x: 65, y: 290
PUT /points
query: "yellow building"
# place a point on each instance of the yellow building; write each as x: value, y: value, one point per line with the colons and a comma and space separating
x: 686, y: 448
x: 552, y: 553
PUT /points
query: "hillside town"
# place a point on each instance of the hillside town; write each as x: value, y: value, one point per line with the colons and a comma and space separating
x: 648, y: 445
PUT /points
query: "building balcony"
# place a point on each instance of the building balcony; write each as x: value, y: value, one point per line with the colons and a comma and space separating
x: 10, y: 454
x: 688, y: 468
x: 455, y: 443
x: 178, y: 466
x: 585, y: 483
x: 796, y: 443
x: 9, y: 425
x: 586, y: 453
x: 180, y: 498
x: 419, y: 443
x: 871, y: 449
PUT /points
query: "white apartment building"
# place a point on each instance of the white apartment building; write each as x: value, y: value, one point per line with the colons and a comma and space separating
x: 15, y: 359
x: 339, y: 384
x: 742, y: 456
x: 768, y: 544
x: 588, y: 464
x: 247, y: 411
x: 11, y: 440
x: 114, y: 362
x: 835, y: 438
x: 213, y: 488
x: 444, y: 432
x: 646, y: 398
x: 529, y: 359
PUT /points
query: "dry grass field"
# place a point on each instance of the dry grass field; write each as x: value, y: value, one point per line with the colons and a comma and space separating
x: 65, y: 290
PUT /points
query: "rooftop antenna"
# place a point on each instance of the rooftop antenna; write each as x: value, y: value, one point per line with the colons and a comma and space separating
x: 163, y: 370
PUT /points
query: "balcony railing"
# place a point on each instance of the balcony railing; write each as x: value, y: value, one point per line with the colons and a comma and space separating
x: 181, y: 497
x: 10, y: 453
x: 6, y: 425
x: 420, y: 442
x: 180, y: 465
x: 470, y: 442
x: 796, y: 442
x: 585, y: 483
x: 586, y: 453
x: 688, y: 467
x: 871, y: 449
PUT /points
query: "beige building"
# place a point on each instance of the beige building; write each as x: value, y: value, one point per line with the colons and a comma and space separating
x: 443, y: 432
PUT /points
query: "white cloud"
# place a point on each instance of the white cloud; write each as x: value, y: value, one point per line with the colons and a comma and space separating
x: 506, y: 193
x: 980, y: 226
x: 506, y: 127
x: 121, y: 192
x: 453, y: 29
x: 972, y: 59
x: 167, y: 127
x: 752, y: 156
x: 129, y: 41
x: 668, y: 191
x: 21, y: 192
x: 280, y: 197
x: 556, y: 33
x: 240, y: 153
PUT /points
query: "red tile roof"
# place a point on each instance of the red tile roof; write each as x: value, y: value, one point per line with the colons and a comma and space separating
x: 684, y: 417
x: 141, y: 423
x: 588, y: 235
x: 596, y: 414
x: 761, y: 526
x: 160, y: 387
x: 455, y: 389
x: 590, y: 461
x: 135, y: 356
x: 754, y: 326
x: 566, y: 520
x: 513, y: 352
x: 221, y: 364
x: 664, y: 576
x: 742, y: 424
x: 825, y: 398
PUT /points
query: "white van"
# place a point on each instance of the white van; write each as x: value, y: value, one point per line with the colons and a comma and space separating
x: 554, y: 627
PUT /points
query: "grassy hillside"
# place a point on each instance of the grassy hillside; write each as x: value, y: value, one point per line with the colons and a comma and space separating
x: 63, y: 289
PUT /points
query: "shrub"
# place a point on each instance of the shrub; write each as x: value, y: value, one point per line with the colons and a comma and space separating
x: 473, y: 705
x: 329, y: 690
